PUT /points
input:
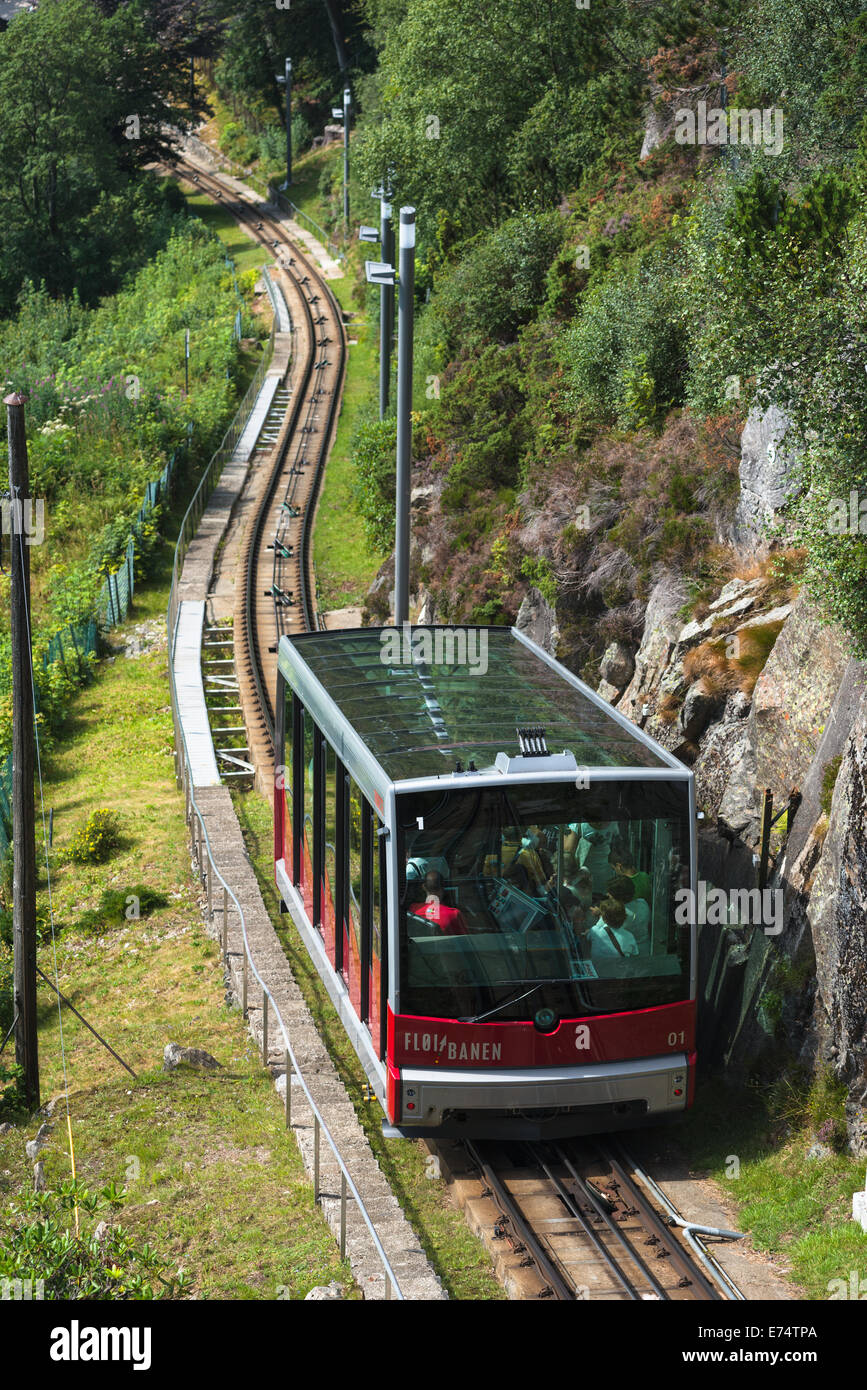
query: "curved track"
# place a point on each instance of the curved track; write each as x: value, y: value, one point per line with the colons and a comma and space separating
x: 276, y: 592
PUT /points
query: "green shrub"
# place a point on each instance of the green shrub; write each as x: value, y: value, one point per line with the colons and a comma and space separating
x: 96, y: 839
x: 481, y: 420
x: 115, y: 908
x: 500, y: 281
x: 626, y: 354
x: 38, y: 1241
x: 374, y: 464
x: 302, y: 134
x: 541, y: 576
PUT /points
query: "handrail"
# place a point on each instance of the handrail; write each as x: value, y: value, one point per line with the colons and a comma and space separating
x: 278, y: 199
x: 194, y: 511
x: 278, y: 304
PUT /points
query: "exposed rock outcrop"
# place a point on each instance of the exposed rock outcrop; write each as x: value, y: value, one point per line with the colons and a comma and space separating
x: 538, y: 621
x: 661, y: 628
x: 791, y: 703
x: 769, y: 476
x: 617, y: 666
x: 837, y: 914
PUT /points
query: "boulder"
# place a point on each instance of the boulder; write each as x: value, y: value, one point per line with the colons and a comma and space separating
x: 609, y: 692
x: 661, y: 627
x: 837, y: 913
x: 697, y: 708
x: 769, y: 476
x: 538, y: 621
x: 332, y: 1292
x: 175, y: 1056
x: 617, y: 666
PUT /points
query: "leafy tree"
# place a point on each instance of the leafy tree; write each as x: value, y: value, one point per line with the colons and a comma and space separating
x: 626, y: 354
x: 84, y: 101
x: 499, y: 282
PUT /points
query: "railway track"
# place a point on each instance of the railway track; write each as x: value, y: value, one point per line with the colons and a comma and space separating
x: 276, y: 588
x: 575, y: 1210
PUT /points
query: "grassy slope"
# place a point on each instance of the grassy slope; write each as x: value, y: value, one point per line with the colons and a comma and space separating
x: 214, y: 1181
x: 345, y: 567
x: 797, y: 1209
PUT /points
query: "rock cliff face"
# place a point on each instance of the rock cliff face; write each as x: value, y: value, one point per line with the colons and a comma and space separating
x: 791, y: 702
x: 803, y: 984
x: 837, y: 916
x: 768, y: 476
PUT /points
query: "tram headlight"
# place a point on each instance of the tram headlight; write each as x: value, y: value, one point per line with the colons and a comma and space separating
x: 546, y: 1020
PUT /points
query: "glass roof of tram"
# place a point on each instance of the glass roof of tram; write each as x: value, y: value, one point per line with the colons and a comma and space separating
x: 457, y: 693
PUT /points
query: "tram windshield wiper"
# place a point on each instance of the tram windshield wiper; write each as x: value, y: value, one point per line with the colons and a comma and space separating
x: 507, y: 1002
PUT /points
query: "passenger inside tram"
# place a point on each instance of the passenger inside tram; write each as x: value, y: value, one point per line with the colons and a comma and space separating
x: 425, y: 899
x: 590, y: 843
x: 609, y: 940
x: 640, y: 880
x: 637, y: 910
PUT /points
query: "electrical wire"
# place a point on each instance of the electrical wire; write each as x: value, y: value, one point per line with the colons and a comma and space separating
x: 48, y: 875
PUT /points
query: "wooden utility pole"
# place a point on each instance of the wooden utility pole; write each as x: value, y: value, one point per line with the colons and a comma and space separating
x: 23, y: 828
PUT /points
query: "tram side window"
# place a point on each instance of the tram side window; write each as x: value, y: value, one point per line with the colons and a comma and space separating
x: 306, y: 808
x: 377, y: 927
x: 329, y: 850
x: 352, y: 940
x: 285, y: 778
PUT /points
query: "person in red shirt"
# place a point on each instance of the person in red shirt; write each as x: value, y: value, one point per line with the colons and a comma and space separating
x: 450, y: 920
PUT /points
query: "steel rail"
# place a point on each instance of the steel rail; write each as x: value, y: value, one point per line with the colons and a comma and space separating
x: 691, y: 1231
x: 679, y: 1258
x: 510, y: 1209
x: 573, y: 1208
x: 248, y: 213
x: 628, y: 1249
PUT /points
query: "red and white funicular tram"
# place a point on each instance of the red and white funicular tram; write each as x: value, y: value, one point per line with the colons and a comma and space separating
x: 498, y: 925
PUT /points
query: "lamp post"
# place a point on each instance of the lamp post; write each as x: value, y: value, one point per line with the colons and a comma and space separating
x: 406, y: 294
x: 287, y: 79
x: 379, y: 273
x: 347, y: 97
x: 386, y: 305
x: 385, y: 237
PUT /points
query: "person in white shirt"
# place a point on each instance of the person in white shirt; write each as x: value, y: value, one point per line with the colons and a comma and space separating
x: 610, y: 940
x: 637, y: 910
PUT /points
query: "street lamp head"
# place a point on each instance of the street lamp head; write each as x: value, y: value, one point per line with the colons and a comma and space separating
x: 407, y: 228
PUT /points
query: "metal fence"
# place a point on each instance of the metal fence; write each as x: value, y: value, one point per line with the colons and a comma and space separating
x: 278, y: 200
x: 211, y: 477
x: 213, y: 880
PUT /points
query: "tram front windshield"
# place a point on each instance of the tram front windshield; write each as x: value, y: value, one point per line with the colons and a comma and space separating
x: 543, y: 897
